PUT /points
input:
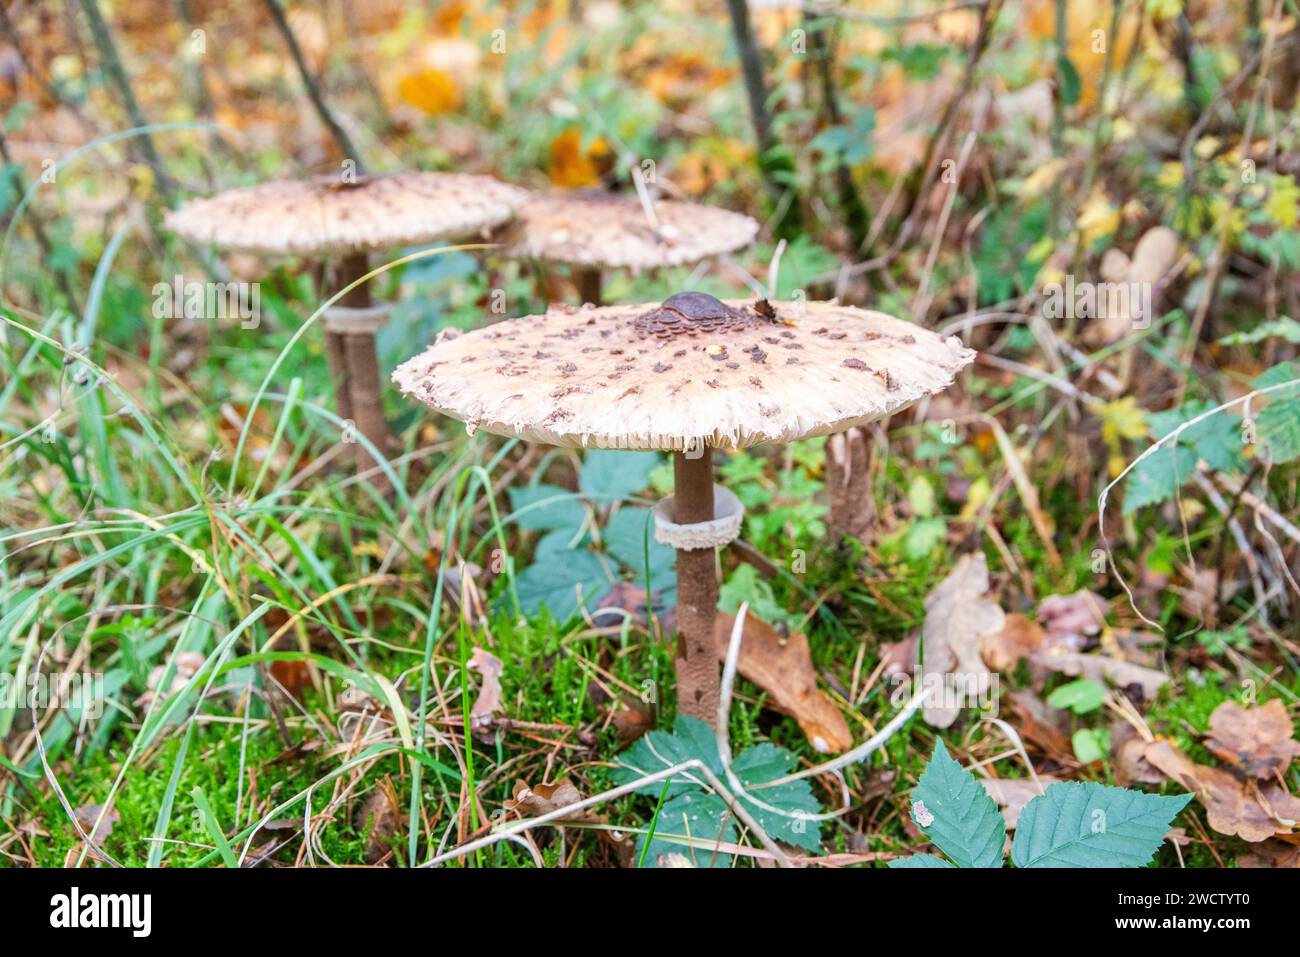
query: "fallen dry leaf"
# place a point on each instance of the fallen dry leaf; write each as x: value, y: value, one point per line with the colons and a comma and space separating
x: 1043, y: 726
x: 1012, y: 794
x: 293, y: 675
x: 379, y: 817
x: 957, y: 616
x: 783, y: 668
x: 1019, y: 638
x: 431, y: 91
x: 185, y: 665
x: 93, y: 816
x: 460, y: 586
x: 1199, y: 599
x: 898, y: 657
x: 1153, y: 256
x: 488, y: 702
x: 630, y: 598
x: 1256, y: 740
x: 1271, y: 853
x: 621, y: 844
x: 571, y: 167
x: 1131, y: 765
x: 1070, y: 620
x: 632, y: 722
x: 1232, y: 806
x: 1099, y: 667
x: 543, y: 799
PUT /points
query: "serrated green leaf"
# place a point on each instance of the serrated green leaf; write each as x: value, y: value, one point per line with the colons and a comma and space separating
x: 692, y: 738
x: 1157, y: 477
x: 1278, y: 427
x: 797, y: 825
x: 795, y: 803
x: 558, y: 544
x: 1284, y: 328
x: 627, y: 536
x: 690, y: 825
x: 608, y: 474
x: 1076, y: 824
x: 957, y: 814
x: 1278, y: 424
x: 555, y: 507
x: 1216, y: 439
x: 557, y: 582
x: 1280, y: 373
x: 919, y: 861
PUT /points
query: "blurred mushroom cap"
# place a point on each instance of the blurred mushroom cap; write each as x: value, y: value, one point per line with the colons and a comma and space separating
x: 597, y: 229
x: 326, y: 214
x: 692, y: 370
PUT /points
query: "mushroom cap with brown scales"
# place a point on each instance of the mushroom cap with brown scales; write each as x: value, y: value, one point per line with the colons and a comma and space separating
x: 328, y: 215
x: 691, y: 370
x: 596, y: 229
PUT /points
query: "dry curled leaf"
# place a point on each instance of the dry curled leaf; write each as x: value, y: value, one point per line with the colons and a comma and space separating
x: 627, y: 600
x: 1271, y: 853
x: 1019, y: 638
x: 1232, y: 806
x: 898, y: 657
x: 488, y: 702
x: 1258, y: 740
x: 1042, y: 725
x: 96, y: 822
x: 958, y: 614
x: 185, y: 665
x: 632, y: 722
x: 782, y: 666
x: 572, y: 167
x: 1071, y: 620
x: 543, y: 799
x: 1131, y: 765
x: 1012, y: 794
x: 1102, y: 668
x: 379, y: 817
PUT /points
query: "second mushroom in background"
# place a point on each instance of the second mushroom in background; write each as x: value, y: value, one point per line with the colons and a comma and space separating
x: 342, y: 221
x: 688, y: 376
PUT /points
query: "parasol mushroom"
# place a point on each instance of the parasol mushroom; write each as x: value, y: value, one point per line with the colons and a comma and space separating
x: 346, y: 220
x: 688, y: 376
x: 591, y: 230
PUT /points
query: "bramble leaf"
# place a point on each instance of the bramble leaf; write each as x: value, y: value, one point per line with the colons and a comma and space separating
x: 1076, y: 824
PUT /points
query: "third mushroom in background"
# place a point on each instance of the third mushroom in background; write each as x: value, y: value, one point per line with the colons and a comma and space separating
x: 591, y: 231
x: 687, y: 376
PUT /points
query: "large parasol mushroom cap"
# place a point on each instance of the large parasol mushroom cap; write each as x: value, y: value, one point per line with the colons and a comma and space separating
x: 598, y: 230
x: 692, y: 370
x: 328, y: 215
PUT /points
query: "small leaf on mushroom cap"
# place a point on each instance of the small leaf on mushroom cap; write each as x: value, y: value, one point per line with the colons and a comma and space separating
x: 326, y: 214
x: 597, y: 229
x: 667, y: 376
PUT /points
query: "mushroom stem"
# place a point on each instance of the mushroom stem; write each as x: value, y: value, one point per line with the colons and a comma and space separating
x: 848, y: 478
x: 588, y: 281
x: 698, y: 681
x: 358, y: 389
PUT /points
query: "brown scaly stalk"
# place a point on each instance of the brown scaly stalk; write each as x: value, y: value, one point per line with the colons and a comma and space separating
x: 697, y: 591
